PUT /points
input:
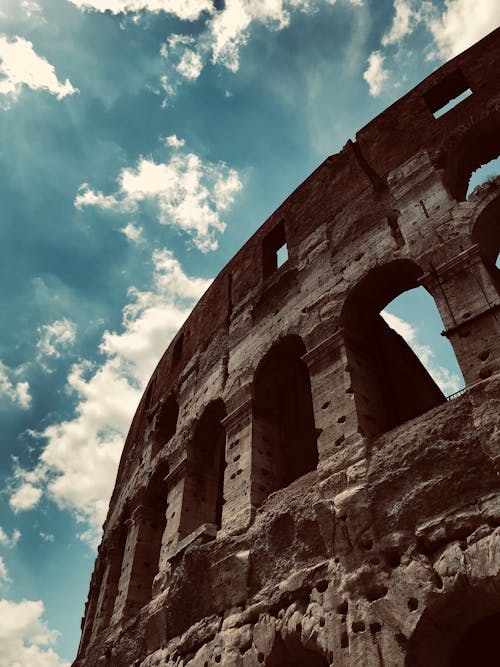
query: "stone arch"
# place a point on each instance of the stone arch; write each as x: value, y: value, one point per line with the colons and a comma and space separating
x: 460, y: 630
x: 153, y: 522
x: 486, y: 233
x: 290, y: 652
x: 166, y: 423
x: 389, y: 383
x: 204, y: 485
x: 285, y: 439
x: 477, y: 146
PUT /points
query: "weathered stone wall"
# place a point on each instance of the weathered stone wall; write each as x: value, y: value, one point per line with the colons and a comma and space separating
x: 295, y: 489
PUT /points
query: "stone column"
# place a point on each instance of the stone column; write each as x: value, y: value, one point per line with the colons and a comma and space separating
x: 469, y: 304
x: 335, y: 414
x: 239, y: 502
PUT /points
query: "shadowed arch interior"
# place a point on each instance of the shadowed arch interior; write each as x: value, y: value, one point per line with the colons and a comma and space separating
x: 462, y: 629
x: 285, y: 446
x: 166, y: 423
x: 292, y: 653
x: 389, y: 383
x: 478, y: 146
x: 486, y: 233
x: 204, y: 491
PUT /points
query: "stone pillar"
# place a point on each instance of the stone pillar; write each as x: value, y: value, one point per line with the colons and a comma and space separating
x: 335, y: 414
x: 239, y: 502
x: 469, y: 304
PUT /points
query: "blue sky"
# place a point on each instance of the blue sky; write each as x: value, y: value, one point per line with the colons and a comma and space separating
x: 143, y: 141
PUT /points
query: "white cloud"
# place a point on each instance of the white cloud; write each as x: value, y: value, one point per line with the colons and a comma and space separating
x: 16, y: 392
x: 447, y: 381
x: 25, y: 497
x: 190, y: 64
x: 132, y: 232
x: 375, y: 74
x: 25, y: 638
x: 53, y: 337
x: 47, y: 537
x: 462, y: 24
x: 186, y: 10
x: 402, y: 22
x: 4, y: 576
x: 21, y: 66
x: 10, y: 542
x: 174, y: 142
x: 78, y: 465
x: 190, y: 194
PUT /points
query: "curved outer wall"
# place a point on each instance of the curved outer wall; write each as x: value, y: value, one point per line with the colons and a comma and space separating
x: 294, y: 488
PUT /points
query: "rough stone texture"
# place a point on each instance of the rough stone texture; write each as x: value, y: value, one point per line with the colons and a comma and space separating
x: 295, y: 489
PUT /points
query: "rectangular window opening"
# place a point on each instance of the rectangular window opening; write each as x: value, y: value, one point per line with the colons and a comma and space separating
x: 447, y: 94
x: 274, y: 249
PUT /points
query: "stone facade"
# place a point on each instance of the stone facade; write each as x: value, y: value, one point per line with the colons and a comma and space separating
x: 295, y: 489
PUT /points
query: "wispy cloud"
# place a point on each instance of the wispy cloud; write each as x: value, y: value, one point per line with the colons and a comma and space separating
x: 190, y: 194
x: 17, y: 392
x: 56, y: 336
x: 375, y: 74
x: 9, y: 542
x: 20, y: 66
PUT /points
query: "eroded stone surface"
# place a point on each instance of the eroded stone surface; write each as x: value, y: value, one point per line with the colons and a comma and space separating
x: 295, y: 489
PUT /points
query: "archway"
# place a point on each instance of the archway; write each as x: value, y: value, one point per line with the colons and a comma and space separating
x: 389, y: 383
x: 460, y: 629
x: 479, y: 145
x: 285, y: 440
x: 292, y: 653
x: 486, y: 233
x: 204, y: 486
x: 166, y: 423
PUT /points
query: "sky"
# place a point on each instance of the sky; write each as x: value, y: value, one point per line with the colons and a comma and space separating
x: 142, y: 142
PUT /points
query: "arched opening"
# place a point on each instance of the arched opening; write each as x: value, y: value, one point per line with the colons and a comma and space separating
x: 153, y: 522
x: 461, y: 630
x: 285, y: 440
x: 114, y: 556
x: 204, y: 486
x: 486, y: 233
x: 388, y: 382
x: 292, y: 653
x: 484, y: 175
x: 166, y: 423
x: 480, y: 145
x: 480, y: 645
x: 415, y: 317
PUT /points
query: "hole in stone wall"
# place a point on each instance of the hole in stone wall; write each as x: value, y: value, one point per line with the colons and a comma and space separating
x: 166, y: 423
x: 204, y: 491
x: 415, y: 317
x: 274, y: 249
x: 480, y: 145
x: 177, y: 351
x: 284, y: 415
x: 486, y: 233
x: 388, y: 380
x: 484, y: 175
x: 447, y: 94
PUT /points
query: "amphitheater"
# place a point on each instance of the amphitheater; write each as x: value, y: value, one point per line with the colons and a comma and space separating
x: 295, y: 490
